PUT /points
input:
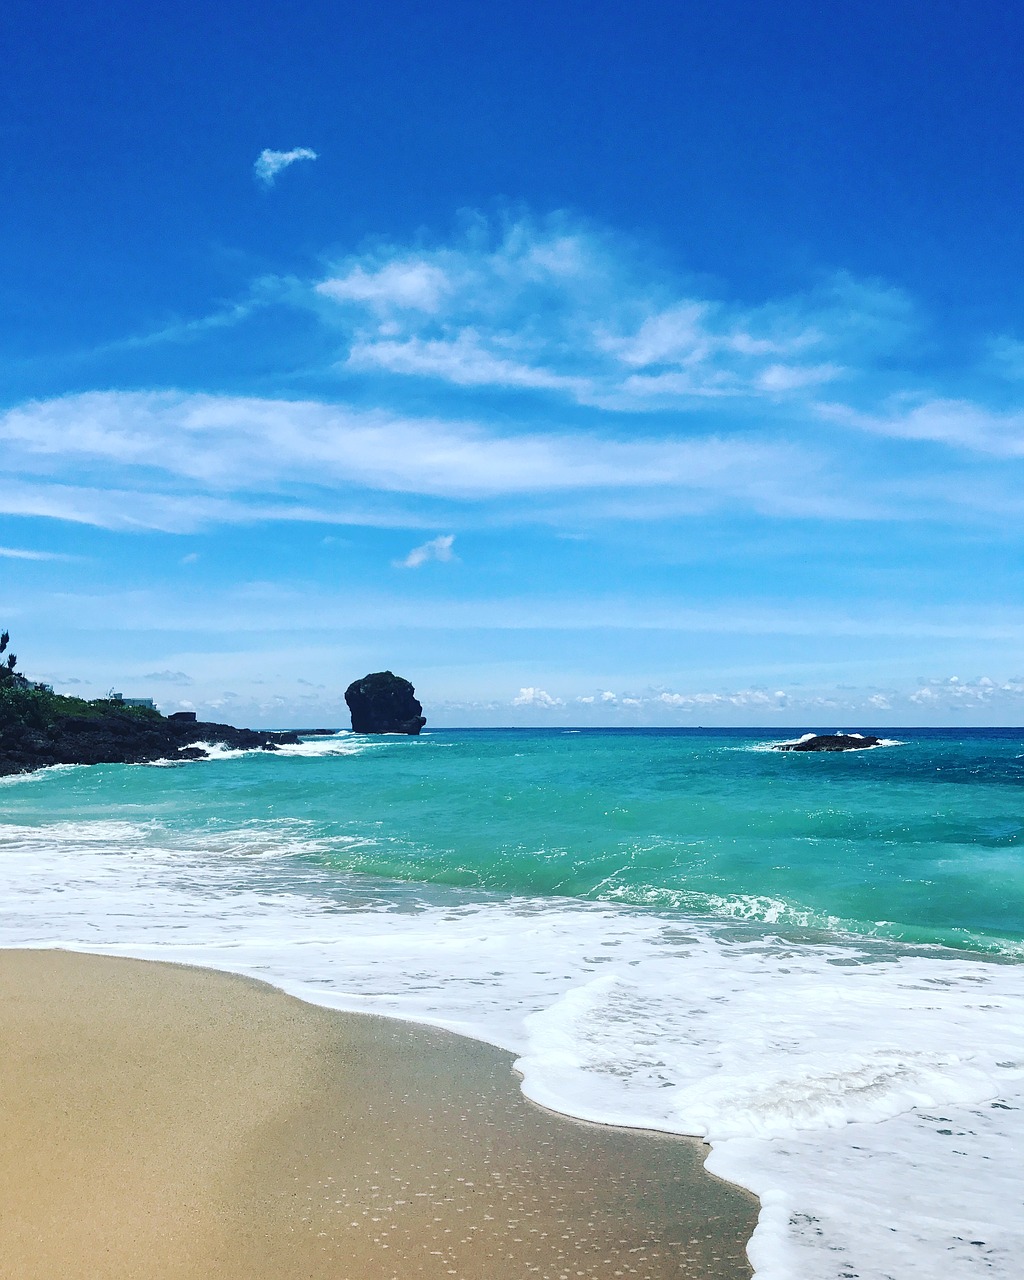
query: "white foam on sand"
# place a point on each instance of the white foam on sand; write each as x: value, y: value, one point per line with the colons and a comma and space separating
x: 872, y: 1098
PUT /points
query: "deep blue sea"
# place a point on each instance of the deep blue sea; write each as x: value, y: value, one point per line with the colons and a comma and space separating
x: 814, y: 962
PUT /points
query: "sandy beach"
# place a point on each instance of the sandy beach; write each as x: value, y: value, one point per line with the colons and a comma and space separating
x: 163, y: 1121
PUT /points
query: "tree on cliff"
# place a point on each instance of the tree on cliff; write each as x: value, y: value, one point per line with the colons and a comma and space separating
x: 7, y: 665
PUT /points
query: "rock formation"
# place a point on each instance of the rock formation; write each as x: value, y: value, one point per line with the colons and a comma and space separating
x: 39, y: 727
x: 384, y: 703
x: 830, y: 742
x: 122, y: 738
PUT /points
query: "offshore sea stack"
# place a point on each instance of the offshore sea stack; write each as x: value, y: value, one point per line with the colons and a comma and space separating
x: 831, y: 742
x: 384, y: 703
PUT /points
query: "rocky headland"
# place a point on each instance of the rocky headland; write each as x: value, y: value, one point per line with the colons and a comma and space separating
x: 123, y: 737
x: 39, y: 728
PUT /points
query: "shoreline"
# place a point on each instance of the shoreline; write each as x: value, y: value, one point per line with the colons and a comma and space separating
x: 169, y: 1120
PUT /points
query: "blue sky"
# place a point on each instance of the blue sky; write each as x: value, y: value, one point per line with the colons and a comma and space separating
x: 585, y: 363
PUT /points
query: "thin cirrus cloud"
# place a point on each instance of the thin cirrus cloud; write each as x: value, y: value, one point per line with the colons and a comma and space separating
x: 228, y: 458
x: 958, y: 423
x: 270, y: 163
x: 22, y: 553
x: 440, y: 549
x: 179, y: 461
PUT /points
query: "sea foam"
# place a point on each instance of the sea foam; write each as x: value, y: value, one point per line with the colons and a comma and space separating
x: 871, y: 1096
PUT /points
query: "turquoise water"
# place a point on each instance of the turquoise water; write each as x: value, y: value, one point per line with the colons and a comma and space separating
x: 920, y: 842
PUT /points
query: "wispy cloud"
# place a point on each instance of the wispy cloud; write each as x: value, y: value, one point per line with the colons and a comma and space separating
x: 558, y: 307
x: 959, y: 423
x: 409, y: 285
x: 436, y: 549
x: 762, y: 408
x: 222, y: 451
x: 270, y: 163
x: 179, y: 461
x: 20, y: 553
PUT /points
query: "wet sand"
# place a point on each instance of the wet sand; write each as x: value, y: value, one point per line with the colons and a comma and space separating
x: 162, y: 1121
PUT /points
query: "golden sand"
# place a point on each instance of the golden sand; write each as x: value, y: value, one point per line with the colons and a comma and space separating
x: 162, y: 1121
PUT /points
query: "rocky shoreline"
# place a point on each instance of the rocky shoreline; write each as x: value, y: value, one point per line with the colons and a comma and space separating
x: 40, y: 728
x: 124, y: 738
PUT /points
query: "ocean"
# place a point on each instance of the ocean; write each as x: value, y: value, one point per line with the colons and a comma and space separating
x: 814, y: 962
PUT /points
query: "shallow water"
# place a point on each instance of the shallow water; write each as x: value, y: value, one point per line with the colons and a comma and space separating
x: 812, y: 960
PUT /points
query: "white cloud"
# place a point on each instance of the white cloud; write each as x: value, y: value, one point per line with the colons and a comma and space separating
x: 557, y: 307
x: 177, y: 460
x: 606, y: 697
x: 959, y: 423
x: 531, y: 697
x: 270, y: 163
x: 419, y: 286
x: 953, y: 692
x: 436, y: 549
x: 741, y: 698
x: 464, y: 361
x: 787, y: 377
x: 19, y: 553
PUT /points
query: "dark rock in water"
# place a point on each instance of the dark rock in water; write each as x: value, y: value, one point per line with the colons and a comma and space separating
x: 123, y: 738
x: 384, y: 703
x: 831, y: 742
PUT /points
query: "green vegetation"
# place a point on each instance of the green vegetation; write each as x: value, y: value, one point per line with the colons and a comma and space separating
x: 36, y: 706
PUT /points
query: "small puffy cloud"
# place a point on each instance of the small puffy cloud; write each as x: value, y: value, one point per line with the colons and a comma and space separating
x: 606, y: 697
x: 270, y: 163
x: 168, y: 677
x: 436, y: 549
x: 531, y: 697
